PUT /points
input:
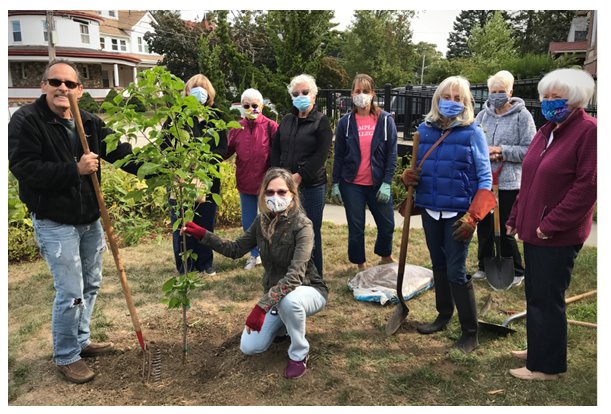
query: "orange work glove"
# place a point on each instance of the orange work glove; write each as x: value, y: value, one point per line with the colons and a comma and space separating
x: 480, y: 207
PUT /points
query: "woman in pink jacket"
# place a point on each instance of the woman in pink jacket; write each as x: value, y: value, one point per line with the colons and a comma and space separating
x: 553, y: 216
x: 251, y: 144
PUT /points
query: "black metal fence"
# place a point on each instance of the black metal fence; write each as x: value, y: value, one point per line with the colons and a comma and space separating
x: 410, y: 104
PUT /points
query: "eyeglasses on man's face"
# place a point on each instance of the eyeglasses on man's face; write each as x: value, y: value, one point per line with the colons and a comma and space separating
x: 56, y: 83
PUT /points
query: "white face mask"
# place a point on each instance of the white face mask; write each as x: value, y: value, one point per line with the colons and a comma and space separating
x: 362, y: 100
x: 278, y: 204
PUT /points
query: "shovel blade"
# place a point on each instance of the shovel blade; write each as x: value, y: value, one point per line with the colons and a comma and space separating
x: 396, y: 319
x: 499, y: 272
x: 497, y: 329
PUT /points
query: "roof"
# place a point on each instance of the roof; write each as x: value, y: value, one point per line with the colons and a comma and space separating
x: 121, y: 26
x: 565, y: 47
x: 83, y: 14
x: 80, y: 53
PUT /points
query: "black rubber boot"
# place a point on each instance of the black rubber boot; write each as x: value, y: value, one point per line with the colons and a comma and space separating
x: 464, y: 297
x: 443, y: 303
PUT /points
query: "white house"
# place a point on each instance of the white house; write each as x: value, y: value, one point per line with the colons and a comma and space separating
x: 107, y: 46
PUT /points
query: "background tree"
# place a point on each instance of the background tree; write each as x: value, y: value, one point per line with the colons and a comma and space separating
x: 176, y: 41
x: 465, y: 22
x: 427, y: 53
x: 535, y: 29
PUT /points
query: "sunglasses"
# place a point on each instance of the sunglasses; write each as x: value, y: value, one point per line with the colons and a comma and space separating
x: 304, y: 92
x: 56, y: 83
x: 254, y: 106
x: 281, y: 193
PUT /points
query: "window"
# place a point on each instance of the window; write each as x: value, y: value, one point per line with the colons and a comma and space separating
x: 112, y: 13
x: 581, y: 35
x: 84, y: 33
x: 102, y: 43
x: 16, y: 30
x: 123, y: 45
x: 114, y: 44
x: 140, y: 44
x: 45, y: 31
x: 84, y: 71
x: 23, y: 71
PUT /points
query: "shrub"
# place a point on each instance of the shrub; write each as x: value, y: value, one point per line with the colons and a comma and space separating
x: 87, y: 103
x: 229, y: 212
x: 21, y: 243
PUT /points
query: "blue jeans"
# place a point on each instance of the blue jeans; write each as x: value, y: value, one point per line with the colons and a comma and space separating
x: 355, y: 197
x: 313, y: 202
x: 249, y: 205
x: 205, y: 214
x: 74, y: 256
x: 446, y: 253
x: 291, y: 315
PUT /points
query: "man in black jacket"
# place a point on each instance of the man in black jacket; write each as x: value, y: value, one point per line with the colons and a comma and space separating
x: 46, y: 157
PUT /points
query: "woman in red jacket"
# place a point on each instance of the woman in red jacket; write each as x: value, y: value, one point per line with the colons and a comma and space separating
x: 553, y: 215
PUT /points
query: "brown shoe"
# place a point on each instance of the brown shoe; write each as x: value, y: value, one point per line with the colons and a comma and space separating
x: 520, y: 354
x: 526, y: 374
x: 95, y: 349
x: 77, y: 372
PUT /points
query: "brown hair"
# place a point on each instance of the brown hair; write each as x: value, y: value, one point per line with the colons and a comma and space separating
x: 54, y: 62
x: 363, y: 79
x: 203, y: 82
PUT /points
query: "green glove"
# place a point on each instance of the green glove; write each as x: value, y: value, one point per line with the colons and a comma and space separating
x: 383, y: 195
x: 336, y: 196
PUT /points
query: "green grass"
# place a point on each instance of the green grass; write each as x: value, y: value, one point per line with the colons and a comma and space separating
x: 354, y: 363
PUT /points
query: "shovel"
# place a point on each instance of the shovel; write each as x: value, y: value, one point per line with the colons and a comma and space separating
x: 401, y: 310
x: 151, y: 362
x: 499, y: 270
x: 504, y: 328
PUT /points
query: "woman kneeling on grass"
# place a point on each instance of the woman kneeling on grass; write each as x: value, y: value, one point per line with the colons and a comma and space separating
x: 293, y: 288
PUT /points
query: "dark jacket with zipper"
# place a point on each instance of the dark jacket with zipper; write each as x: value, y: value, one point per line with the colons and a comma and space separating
x: 44, y: 162
x: 302, y: 146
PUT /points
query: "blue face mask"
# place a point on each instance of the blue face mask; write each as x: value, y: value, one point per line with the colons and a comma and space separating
x: 450, y: 109
x: 555, y: 110
x: 498, y: 100
x: 302, y: 103
x: 199, y: 93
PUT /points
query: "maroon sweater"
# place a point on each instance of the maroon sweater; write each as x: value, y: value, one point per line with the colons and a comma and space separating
x: 558, y: 189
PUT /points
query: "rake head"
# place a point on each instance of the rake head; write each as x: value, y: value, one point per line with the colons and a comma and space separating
x: 151, y: 364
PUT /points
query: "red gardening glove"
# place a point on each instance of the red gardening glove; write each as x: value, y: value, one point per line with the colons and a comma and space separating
x: 194, y: 230
x: 411, y: 177
x: 256, y: 318
x: 480, y: 207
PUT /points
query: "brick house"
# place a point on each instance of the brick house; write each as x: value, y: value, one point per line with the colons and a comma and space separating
x: 107, y: 46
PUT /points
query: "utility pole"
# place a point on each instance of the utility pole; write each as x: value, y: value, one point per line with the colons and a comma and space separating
x: 422, y: 70
x: 50, y: 30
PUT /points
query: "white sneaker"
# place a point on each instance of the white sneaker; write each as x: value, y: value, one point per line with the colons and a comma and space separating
x: 252, y: 262
x: 517, y: 281
x: 479, y: 275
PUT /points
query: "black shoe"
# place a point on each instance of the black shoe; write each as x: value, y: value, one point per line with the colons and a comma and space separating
x: 439, y: 324
x: 209, y: 271
x: 443, y: 303
x: 464, y: 298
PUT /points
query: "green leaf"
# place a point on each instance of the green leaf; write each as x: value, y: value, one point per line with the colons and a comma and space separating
x: 168, y: 286
x: 148, y: 168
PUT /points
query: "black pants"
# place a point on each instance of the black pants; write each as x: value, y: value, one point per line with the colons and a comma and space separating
x: 548, y: 274
x: 485, y: 235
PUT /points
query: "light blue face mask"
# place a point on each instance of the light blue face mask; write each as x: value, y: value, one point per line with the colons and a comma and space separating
x: 200, y: 94
x: 450, y: 109
x: 302, y: 103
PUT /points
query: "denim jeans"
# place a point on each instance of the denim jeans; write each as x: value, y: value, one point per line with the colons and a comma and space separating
x: 446, y: 253
x: 355, y: 197
x: 291, y: 315
x: 313, y: 202
x: 249, y: 205
x: 74, y: 256
x: 205, y: 214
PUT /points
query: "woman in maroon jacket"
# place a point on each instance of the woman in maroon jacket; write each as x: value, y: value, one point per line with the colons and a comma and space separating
x: 553, y: 215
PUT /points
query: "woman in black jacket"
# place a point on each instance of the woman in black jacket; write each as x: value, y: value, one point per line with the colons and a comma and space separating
x: 199, y: 86
x: 301, y: 145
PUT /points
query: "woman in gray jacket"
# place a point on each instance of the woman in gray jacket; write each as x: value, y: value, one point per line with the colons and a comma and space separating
x: 292, y: 286
x: 509, y: 128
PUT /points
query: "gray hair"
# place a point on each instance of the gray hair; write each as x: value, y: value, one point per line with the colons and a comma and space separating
x: 503, y: 78
x: 252, y: 94
x: 303, y: 78
x: 578, y: 84
x: 45, y: 74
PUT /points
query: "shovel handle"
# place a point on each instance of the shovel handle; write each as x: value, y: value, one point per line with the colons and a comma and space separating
x: 114, y: 247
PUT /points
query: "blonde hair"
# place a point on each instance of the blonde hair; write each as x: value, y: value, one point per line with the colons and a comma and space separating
x: 578, y: 84
x: 268, y: 218
x: 203, y: 82
x: 503, y: 79
x: 464, y: 90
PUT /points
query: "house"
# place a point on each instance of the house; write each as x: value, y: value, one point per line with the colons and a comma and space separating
x: 107, y: 46
x: 581, y: 41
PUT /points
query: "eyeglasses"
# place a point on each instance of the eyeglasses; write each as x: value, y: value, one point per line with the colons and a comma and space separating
x: 281, y: 193
x: 56, y: 83
x: 304, y: 92
x: 246, y: 106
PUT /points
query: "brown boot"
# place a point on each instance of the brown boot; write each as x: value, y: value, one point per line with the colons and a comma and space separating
x: 77, y: 372
x: 95, y: 349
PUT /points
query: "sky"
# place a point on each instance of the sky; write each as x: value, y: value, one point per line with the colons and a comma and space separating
x: 432, y: 26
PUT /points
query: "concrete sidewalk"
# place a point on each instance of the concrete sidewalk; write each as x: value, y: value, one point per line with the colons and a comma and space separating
x: 337, y: 215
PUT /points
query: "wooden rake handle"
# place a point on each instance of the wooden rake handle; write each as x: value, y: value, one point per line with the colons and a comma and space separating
x: 114, y: 247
